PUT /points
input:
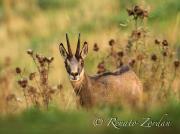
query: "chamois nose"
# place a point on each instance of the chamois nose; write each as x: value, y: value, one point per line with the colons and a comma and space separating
x: 74, y: 74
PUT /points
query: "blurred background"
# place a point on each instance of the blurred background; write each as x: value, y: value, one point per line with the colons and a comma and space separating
x: 41, y: 25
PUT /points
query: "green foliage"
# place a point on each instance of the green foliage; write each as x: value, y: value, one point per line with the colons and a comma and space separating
x: 124, y: 3
x: 87, y: 27
x: 121, y: 18
x: 165, y: 10
x: 54, y: 121
x: 55, y: 4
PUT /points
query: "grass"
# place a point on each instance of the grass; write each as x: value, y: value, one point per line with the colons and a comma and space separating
x: 160, y: 13
x: 34, y: 121
x: 55, y: 4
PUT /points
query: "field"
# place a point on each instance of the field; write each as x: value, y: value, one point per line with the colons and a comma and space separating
x: 142, y: 34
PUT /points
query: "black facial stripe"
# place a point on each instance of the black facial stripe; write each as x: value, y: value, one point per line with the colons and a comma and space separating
x: 67, y: 67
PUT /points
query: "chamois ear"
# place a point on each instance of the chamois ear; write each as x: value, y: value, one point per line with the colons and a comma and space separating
x: 63, y: 51
x: 84, y: 50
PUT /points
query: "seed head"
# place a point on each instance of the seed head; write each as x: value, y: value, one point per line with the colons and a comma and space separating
x: 156, y: 41
x: 32, y: 75
x: 121, y: 64
x: 59, y: 86
x: 50, y: 59
x: 30, y: 51
x: 138, y: 11
x: 32, y: 90
x: 165, y: 43
x: 18, y: 70
x: 164, y: 53
x: 38, y: 56
x: 153, y: 57
x: 132, y: 62
x: 130, y: 12
x: 51, y: 91
x: 96, y: 47
x: 101, y: 67
x: 111, y: 42
x: 11, y: 97
x: 140, y: 57
x: 176, y: 63
x: 120, y: 53
x: 23, y: 82
x: 85, y: 42
x: 145, y: 13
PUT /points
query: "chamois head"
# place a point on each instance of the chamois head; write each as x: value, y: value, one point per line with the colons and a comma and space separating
x: 74, y: 63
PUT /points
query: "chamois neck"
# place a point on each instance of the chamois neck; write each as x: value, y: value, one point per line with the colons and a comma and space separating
x: 83, y: 91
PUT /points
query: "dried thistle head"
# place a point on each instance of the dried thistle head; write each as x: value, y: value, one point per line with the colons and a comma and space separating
x: 153, y: 57
x: 101, y: 67
x: 156, y: 41
x: 49, y: 59
x: 18, y: 70
x: 137, y: 12
x: 111, y: 42
x: 7, y: 61
x: 120, y: 64
x: 120, y: 53
x: 23, y: 82
x: 59, y: 86
x: 32, y: 90
x: 96, y: 47
x: 130, y: 12
x: 51, y: 91
x: 140, y: 57
x: 11, y: 97
x: 164, y: 53
x: 32, y: 75
x: 132, y: 62
x: 30, y: 52
x: 41, y: 59
x: 176, y: 63
x: 165, y: 43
